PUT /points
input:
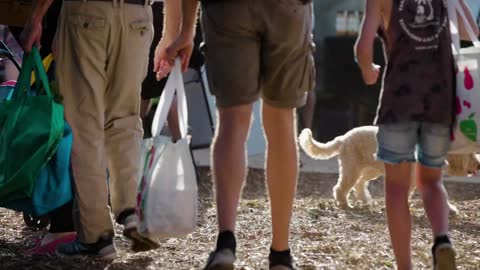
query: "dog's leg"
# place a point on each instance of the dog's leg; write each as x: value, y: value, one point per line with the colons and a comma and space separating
x: 361, y: 188
x: 413, y: 185
x: 453, y: 209
x: 346, y: 180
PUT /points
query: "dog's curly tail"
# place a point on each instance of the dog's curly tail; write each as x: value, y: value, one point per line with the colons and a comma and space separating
x: 318, y: 150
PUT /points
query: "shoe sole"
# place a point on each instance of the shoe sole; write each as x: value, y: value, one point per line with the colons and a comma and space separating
x: 445, y: 258
x: 140, y: 242
x: 107, y: 257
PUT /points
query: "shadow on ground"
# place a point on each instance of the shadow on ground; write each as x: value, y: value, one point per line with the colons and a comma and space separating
x: 323, y: 236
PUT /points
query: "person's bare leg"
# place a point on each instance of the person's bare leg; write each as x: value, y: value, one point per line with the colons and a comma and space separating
x: 172, y: 118
x: 281, y: 170
x: 229, y: 163
x: 397, y: 185
x: 434, y: 198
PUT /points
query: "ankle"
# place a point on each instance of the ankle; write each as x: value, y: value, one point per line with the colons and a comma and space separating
x: 285, y: 252
x: 404, y: 267
x: 439, y: 240
x: 277, y: 246
x: 226, y: 240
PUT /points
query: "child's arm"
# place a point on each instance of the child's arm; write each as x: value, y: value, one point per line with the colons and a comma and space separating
x: 366, y: 39
x: 471, y: 21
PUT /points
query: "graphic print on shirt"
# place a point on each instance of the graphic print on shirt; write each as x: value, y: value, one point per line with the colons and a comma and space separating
x: 422, y: 22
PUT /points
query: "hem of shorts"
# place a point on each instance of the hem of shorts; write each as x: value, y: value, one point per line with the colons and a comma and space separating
x: 229, y: 104
x: 424, y: 164
x: 299, y: 102
x: 396, y: 162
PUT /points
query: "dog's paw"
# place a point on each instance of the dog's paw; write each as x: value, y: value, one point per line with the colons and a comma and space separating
x: 367, y: 201
x: 343, y: 204
x: 363, y: 197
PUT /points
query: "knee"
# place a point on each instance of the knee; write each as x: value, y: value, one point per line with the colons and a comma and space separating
x: 234, y: 125
x: 397, y: 188
x: 429, y: 183
x: 428, y: 177
x: 279, y: 127
x: 278, y: 119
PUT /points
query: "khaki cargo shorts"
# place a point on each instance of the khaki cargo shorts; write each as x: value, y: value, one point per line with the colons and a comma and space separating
x: 259, y: 47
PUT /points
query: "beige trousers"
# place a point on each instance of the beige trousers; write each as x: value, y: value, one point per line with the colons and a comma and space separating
x: 102, y: 60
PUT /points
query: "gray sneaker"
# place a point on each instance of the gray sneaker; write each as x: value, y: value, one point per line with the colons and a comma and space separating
x: 103, y: 249
x: 140, y: 242
x: 223, y: 259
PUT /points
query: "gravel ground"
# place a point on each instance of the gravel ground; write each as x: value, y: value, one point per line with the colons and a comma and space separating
x: 323, y: 236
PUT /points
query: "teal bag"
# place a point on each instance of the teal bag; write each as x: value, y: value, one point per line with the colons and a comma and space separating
x: 31, y: 128
x: 53, y: 186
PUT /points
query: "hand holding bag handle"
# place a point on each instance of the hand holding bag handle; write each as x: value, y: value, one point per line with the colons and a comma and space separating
x: 168, y: 192
x: 174, y: 84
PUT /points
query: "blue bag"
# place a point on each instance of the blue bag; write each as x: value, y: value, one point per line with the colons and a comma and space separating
x: 6, y: 90
x: 53, y: 186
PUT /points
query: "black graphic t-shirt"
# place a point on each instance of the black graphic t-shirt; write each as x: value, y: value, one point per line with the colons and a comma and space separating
x: 419, y: 79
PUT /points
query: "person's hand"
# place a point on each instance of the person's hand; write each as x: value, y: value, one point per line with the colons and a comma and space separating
x: 182, y: 47
x: 371, y: 74
x: 31, y: 34
x: 161, y: 66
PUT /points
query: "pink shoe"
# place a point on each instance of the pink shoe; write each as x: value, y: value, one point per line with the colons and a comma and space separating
x: 49, y: 248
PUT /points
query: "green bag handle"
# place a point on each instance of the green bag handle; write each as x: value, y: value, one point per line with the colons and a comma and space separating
x: 32, y: 62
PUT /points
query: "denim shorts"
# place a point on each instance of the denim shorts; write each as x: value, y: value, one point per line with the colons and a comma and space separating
x: 426, y: 143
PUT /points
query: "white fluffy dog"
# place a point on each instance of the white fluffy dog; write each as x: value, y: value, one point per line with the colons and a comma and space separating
x: 357, y: 164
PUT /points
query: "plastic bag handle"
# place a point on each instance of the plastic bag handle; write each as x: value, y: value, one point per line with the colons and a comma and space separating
x: 174, y: 85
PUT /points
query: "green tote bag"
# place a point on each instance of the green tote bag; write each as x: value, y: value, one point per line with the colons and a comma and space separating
x: 31, y: 127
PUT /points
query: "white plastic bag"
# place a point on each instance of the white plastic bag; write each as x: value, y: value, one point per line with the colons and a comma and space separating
x: 465, y: 137
x: 167, y: 194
